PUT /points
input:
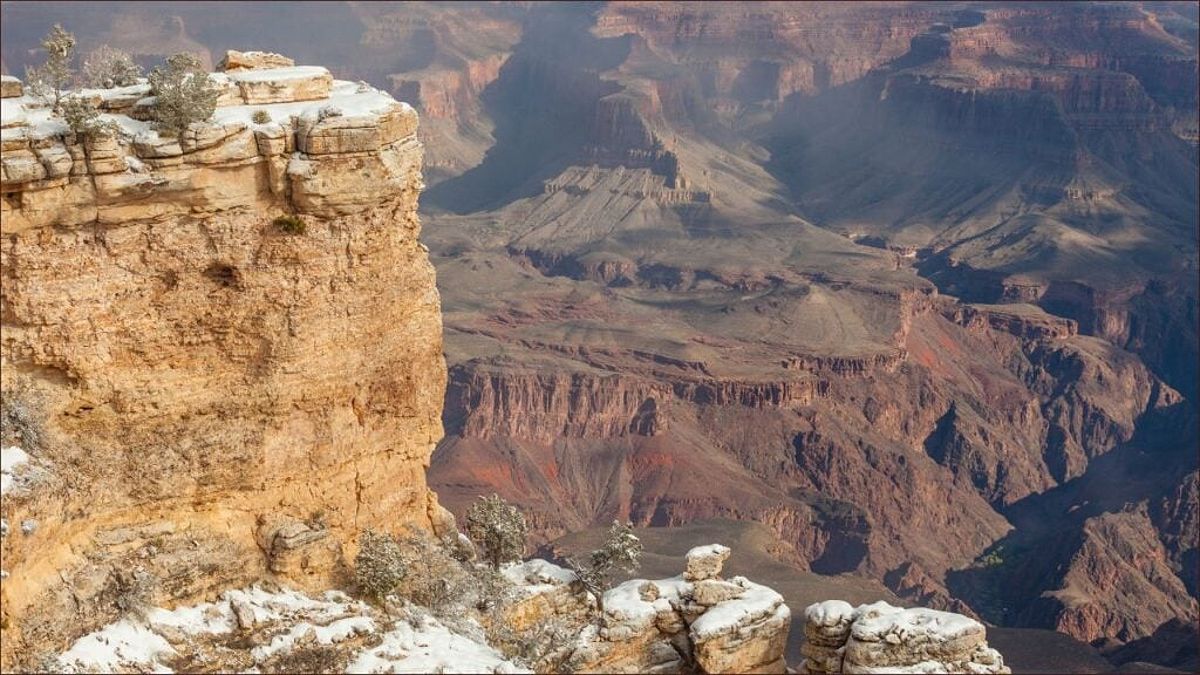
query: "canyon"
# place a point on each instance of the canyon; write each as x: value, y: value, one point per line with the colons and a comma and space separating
x: 910, y: 285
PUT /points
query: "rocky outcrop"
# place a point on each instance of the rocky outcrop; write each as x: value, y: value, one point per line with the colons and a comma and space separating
x: 882, y: 638
x: 694, y: 621
x: 216, y: 398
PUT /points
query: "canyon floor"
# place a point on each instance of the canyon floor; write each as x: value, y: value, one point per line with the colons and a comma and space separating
x: 910, y: 287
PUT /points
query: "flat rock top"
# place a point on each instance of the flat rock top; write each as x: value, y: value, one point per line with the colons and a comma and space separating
x: 278, y: 74
x: 877, y: 620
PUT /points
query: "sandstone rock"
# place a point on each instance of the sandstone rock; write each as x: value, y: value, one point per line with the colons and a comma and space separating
x: 883, y: 638
x: 709, y: 592
x: 199, y: 355
x: 654, y: 626
x: 704, y: 562
x: 235, y: 60
x: 10, y: 87
x: 282, y: 85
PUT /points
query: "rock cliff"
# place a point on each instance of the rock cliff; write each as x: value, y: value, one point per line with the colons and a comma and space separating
x: 209, y: 397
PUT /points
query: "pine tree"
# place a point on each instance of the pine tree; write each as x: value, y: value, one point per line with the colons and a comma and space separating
x: 107, y: 68
x: 621, y: 549
x: 498, y: 529
x: 50, y: 79
x: 183, y: 94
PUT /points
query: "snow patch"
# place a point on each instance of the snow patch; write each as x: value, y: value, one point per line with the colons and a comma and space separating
x: 10, y: 458
x: 430, y: 647
x: 277, y: 74
x: 756, y: 603
x: 119, y: 646
x: 875, y: 621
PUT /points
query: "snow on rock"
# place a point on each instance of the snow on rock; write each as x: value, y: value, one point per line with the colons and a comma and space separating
x: 425, y: 645
x: 10, y: 458
x: 124, y: 646
x: 277, y: 85
x: 279, y: 624
x: 10, y: 87
x: 235, y: 60
x: 730, y: 625
x: 705, y: 562
x: 754, y: 604
x: 537, y: 576
x: 880, y: 638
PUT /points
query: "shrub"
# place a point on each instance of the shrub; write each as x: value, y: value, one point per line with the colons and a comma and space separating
x: 433, y: 578
x: 380, y: 565
x: 83, y: 118
x: 498, y: 529
x: 107, y: 68
x: 22, y: 420
x: 260, y: 117
x: 183, y: 94
x: 621, y: 549
x: 290, y: 224
x: 48, y: 80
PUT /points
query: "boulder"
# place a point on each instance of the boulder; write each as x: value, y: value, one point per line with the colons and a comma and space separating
x: 10, y: 87
x: 712, y: 591
x: 282, y: 85
x: 883, y: 638
x: 235, y: 60
x: 705, y: 562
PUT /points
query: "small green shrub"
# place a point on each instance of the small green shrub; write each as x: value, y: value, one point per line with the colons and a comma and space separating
x: 380, y: 565
x: 290, y: 224
x: 260, y: 117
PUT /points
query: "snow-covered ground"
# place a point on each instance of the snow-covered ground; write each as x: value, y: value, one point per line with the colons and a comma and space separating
x: 10, y: 458
x: 279, y: 623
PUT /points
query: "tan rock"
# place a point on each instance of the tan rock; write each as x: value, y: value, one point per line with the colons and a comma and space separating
x: 880, y: 637
x: 204, y: 368
x: 712, y: 591
x: 282, y: 85
x: 235, y: 60
x: 705, y: 562
x: 10, y: 87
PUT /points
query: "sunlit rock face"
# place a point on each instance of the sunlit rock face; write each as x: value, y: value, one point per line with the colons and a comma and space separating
x: 219, y: 395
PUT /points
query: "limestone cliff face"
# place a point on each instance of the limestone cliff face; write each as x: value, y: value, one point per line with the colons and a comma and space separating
x: 221, y: 399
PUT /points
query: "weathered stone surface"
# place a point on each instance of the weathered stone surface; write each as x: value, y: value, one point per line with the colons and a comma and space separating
x: 882, y: 638
x: 235, y: 60
x: 705, y: 562
x: 282, y: 85
x: 711, y: 591
x: 664, y: 626
x: 196, y: 365
x: 10, y: 87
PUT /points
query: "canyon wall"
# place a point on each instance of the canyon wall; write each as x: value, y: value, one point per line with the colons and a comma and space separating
x: 210, y: 396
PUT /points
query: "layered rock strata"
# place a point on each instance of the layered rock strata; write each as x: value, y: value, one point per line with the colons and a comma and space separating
x: 697, y: 621
x: 882, y: 638
x: 212, y: 397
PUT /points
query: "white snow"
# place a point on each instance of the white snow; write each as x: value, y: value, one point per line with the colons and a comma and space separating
x: 709, y: 551
x: 334, y: 632
x: 8, y: 78
x: 277, y: 74
x: 118, y: 646
x: 32, y: 113
x: 10, y: 458
x: 430, y: 647
x: 829, y: 612
x: 140, y: 90
x: 537, y: 576
x: 756, y: 603
x: 623, y: 604
x: 878, y: 619
x: 344, y: 95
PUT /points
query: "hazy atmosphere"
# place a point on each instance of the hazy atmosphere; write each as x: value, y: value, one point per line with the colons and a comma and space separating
x: 675, y: 337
